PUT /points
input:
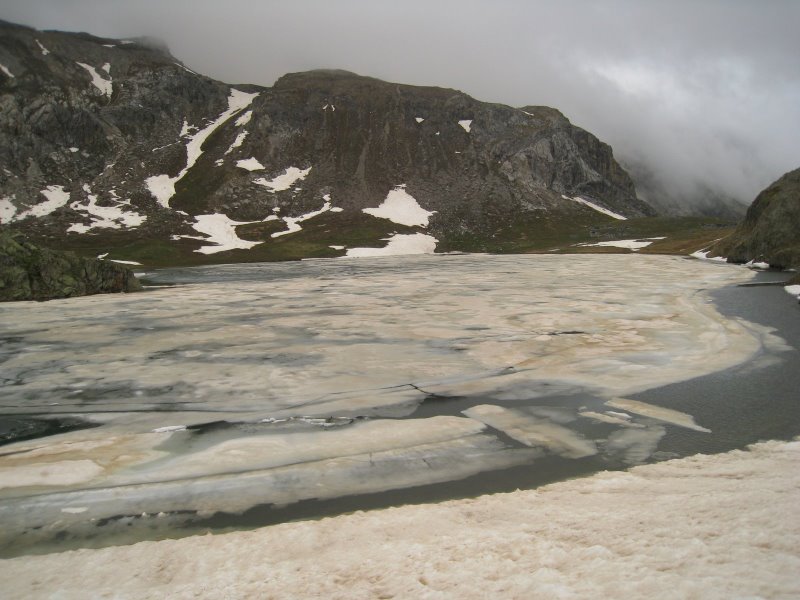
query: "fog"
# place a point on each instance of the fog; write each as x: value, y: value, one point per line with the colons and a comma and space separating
x: 698, y: 97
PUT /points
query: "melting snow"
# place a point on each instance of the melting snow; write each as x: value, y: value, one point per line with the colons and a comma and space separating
x: 221, y: 231
x: 106, y: 217
x: 596, y: 207
x: 466, y: 124
x: 400, y: 207
x: 399, y: 244
x: 104, y: 85
x: 283, y: 182
x: 251, y: 164
x: 244, y: 119
x: 5, y: 70
x: 44, y: 50
x: 162, y: 187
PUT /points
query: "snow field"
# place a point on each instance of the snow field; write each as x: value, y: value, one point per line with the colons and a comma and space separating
x: 596, y: 207
x: 401, y: 208
x: 284, y: 181
x: 105, y: 86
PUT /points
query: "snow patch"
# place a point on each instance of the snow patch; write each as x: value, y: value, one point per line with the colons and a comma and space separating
x: 293, y: 223
x: 794, y: 290
x: 337, y: 247
x: 419, y: 119
x: 162, y: 187
x: 283, y: 182
x: 5, y: 70
x: 704, y: 255
x: 402, y: 208
x: 44, y: 50
x: 104, y: 85
x: 56, y: 196
x: 399, y: 244
x: 251, y: 164
x: 629, y: 244
x: 125, y: 262
x: 105, y: 217
x: 596, y: 207
x: 7, y: 210
x: 107, y: 68
x: 236, y: 143
x: 244, y: 119
x: 466, y: 124
x: 221, y: 231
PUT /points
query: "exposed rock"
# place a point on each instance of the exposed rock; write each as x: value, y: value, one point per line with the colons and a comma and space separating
x: 770, y: 231
x: 116, y: 127
x: 28, y: 272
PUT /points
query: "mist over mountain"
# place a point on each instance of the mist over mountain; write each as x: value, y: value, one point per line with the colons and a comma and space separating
x: 704, y: 95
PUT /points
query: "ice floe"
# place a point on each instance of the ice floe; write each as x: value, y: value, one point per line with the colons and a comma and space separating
x: 533, y: 431
x: 399, y: 244
x: 284, y: 181
x: 466, y: 124
x: 105, y: 86
x: 667, y: 415
x: 162, y: 187
x: 250, y: 164
x: 596, y: 207
x: 401, y: 208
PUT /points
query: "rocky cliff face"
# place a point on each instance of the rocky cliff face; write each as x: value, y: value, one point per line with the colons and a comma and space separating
x: 112, y: 145
x: 28, y: 272
x: 770, y: 231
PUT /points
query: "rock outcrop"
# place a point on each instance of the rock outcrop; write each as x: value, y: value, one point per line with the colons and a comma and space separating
x: 115, y: 144
x: 28, y: 272
x: 770, y: 231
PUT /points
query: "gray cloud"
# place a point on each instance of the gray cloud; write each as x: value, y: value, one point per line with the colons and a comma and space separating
x: 706, y: 94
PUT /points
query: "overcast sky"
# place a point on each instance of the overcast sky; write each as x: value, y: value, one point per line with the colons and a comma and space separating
x: 704, y: 92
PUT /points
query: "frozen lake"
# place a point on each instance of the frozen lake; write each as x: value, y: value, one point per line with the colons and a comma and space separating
x: 248, y: 394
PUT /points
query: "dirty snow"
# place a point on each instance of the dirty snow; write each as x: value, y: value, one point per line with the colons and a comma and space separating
x: 283, y: 182
x: 401, y: 208
x: 714, y: 527
x: 44, y: 50
x: 104, y: 85
x: 105, y: 217
x: 162, y: 187
x: 466, y: 124
x: 398, y: 245
x: 596, y: 207
x: 251, y: 164
x: 221, y: 231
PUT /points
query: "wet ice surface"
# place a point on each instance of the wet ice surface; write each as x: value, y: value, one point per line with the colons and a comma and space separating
x: 275, y: 385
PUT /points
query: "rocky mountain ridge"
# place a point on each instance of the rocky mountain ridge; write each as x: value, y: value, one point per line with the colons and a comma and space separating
x: 115, y: 146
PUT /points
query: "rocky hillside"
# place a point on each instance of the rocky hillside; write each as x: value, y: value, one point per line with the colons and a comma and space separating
x: 770, y: 231
x: 28, y: 272
x: 115, y: 146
